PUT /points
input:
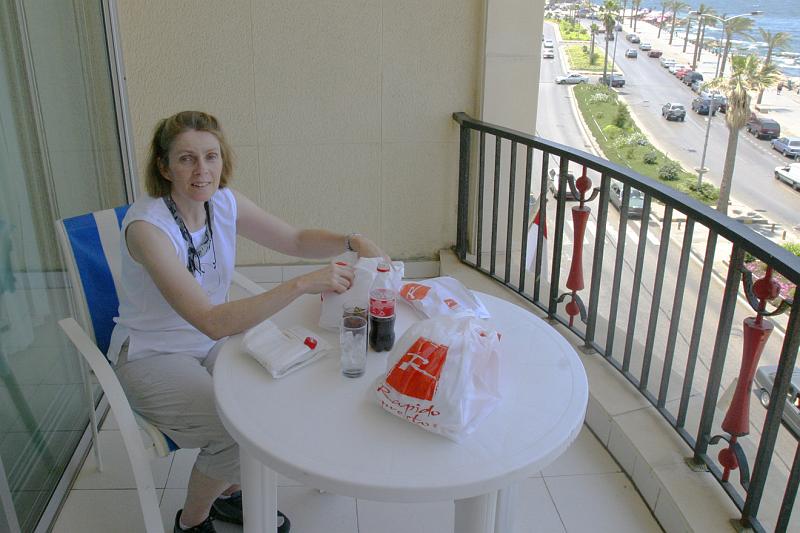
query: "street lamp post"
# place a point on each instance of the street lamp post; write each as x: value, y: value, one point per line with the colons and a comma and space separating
x: 712, y: 108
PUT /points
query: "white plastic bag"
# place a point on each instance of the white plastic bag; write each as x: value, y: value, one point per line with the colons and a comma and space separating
x: 442, y: 296
x: 330, y: 316
x: 443, y: 375
x: 282, y: 351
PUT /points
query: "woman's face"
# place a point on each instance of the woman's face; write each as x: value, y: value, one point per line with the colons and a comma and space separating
x: 195, y: 166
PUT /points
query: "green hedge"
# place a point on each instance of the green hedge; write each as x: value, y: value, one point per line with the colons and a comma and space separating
x: 578, y: 58
x: 627, y: 145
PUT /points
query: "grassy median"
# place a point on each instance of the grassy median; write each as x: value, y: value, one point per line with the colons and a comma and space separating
x: 623, y: 143
x: 578, y: 57
x: 571, y: 31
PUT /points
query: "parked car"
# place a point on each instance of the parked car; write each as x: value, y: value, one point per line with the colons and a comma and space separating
x: 720, y: 99
x: 547, y: 53
x: 692, y: 76
x: 702, y: 106
x: 680, y: 73
x: 654, y: 53
x: 695, y: 86
x: 617, y: 80
x: 672, y: 111
x: 631, y: 52
x: 789, y: 174
x: 572, y: 78
x: 645, y: 46
x: 667, y: 62
x: 553, y: 185
x: 764, y: 379
x: 633, y: 38
x: 763, y: 128
x: 548, y: 43
x: 635, y: 200
x: 675, y: 67
x: 788, y: 146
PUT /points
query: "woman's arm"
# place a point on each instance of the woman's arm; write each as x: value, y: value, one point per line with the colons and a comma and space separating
x: 151, y: 247
x: 267, y: 230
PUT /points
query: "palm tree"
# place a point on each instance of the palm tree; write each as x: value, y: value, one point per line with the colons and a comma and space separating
x: 664, y: 5
x: 608, y: 16
x: 686, y: 33
x: 731, y: 27
x: 701, y: 25
x: 593, y: 31
x: 748, y: 73
x: 635, y: 14
x: 676, y: 6
x: 775, y: 41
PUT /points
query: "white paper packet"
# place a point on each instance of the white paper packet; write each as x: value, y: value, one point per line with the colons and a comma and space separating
x: 282, y: 351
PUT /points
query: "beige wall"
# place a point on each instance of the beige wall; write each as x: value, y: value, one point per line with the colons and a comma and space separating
x: 339, y: 112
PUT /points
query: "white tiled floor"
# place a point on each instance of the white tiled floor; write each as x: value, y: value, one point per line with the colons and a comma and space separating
x: 583, y: 490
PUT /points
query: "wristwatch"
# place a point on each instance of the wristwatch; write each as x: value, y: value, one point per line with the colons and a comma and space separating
x: 348, y: 241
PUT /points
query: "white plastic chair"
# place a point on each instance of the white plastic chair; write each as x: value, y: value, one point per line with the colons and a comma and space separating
x: 90, y: 247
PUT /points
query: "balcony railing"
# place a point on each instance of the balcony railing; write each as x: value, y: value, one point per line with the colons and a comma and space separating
x: 669, y: 302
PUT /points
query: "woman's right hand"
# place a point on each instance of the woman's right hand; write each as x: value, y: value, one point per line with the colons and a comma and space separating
x: 336, y: 277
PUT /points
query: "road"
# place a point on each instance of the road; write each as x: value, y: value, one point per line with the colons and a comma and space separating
x: 648, y: 86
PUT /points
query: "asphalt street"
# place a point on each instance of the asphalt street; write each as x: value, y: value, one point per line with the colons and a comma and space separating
x: 649, y: 86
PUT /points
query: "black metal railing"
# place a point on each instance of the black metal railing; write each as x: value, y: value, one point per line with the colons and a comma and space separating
x: 664, y: 313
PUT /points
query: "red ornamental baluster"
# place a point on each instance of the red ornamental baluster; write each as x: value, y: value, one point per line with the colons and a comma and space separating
x: 580, y: 215
x: 756, y: 333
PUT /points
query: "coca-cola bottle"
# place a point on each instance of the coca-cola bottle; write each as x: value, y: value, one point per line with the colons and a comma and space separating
x: 382, y: 298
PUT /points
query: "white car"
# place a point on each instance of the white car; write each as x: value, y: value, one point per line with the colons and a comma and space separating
x: 789, y: 174
x: 572, y: 78
x: 547, y: 53
x: 548, y: 43
x: 666, y: 62
x: 644, y: 47
x: 675, y: 67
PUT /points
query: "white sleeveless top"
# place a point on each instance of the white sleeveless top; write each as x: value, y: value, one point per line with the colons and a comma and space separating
x: 145, y: 317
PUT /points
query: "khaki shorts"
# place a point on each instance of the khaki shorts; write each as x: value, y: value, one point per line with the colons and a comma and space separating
x: 174, y: 392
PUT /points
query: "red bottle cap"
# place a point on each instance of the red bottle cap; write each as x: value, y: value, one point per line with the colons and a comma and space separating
x: 341, y: 263
x: 311, y: 342
x: 384, y: 267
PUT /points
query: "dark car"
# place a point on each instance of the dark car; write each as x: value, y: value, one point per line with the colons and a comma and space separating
x: 692, y: 76
x: 617, y: 80
x: 654, y: 53
x: 764, y: 379
x: 763, y: 128
x: 633, y: 38
x: 672, y: 111
x: 635, y: 200
x: 701, y: 106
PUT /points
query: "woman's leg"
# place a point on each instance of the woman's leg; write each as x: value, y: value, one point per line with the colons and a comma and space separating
x: 175, y: 393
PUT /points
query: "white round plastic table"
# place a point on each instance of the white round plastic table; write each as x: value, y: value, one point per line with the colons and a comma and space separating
x: 327, y: 431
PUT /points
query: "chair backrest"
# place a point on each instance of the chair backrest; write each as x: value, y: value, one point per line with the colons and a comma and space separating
x: 90, y: 246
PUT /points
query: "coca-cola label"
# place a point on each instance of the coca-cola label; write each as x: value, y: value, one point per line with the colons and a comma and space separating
x: 382, y: 308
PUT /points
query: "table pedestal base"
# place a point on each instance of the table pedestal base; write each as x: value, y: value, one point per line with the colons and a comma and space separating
x: 260, y: 496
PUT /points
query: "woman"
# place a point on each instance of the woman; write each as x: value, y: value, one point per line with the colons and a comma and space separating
x: 178, y: 256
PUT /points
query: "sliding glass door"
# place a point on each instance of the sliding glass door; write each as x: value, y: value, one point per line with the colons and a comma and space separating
x: 59, y: 156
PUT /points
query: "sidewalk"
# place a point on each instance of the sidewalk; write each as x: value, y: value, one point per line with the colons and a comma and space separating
x: 784, y: 107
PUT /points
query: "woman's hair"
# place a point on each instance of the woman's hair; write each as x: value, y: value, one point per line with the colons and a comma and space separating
x: 164, y: 135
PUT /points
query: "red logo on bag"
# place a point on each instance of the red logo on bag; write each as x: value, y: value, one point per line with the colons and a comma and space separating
x: 452, y: 304
x: 414, y: 291
x: 416, y: 374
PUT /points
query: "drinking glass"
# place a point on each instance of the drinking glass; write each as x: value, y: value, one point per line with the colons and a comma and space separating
x: 353, y: 342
